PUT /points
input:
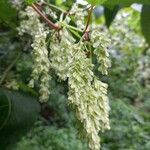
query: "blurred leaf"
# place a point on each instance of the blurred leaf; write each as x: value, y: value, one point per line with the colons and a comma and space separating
x: 30, y: 1
x: 96, y: 2
x: 59, y: 2
x: 4, y: 109
x: 51, y: 138
x: 18, y: 114
x: 145, y: 22
x: 126, y: 2
x: 110, y: 14
x: 7, y: 13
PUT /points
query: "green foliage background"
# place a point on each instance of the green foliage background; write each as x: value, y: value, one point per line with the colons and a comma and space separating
x: 128, y: 90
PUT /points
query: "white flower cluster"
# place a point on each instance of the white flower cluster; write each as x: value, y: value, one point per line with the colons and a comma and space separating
x: 124, y: 36
x: 61, y: 53
x: 12, y: 84
x: 16, y: 3
x: 32, y: 25
x: 101, y: 43
x: 87, y: 95
x: 79, y: 15
x: 143, y: 72
x: 50, y: 12
x: 41, y: 65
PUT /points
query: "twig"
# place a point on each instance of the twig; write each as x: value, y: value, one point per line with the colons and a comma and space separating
x: 88, y: 19
x: 51, y: 24
x: 8, y: 69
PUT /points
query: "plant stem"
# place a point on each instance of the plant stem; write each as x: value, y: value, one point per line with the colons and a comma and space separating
x: 88, y: 19
x: 55, y: 7
x: 51, y: 24
x: 71, y: 27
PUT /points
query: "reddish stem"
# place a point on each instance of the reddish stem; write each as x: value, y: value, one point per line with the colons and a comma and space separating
x: 88, y: 20
x: 51, y: 24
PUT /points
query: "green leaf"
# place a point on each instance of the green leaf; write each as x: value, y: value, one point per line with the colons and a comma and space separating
x: 126, y: 2
x: 110, y: 14
x: 58, y: 2
x: 96, y: 2
x: 8, y: 14
x: 18, y: 112
x: 4, y: 109
x: 145, y: 22
x: 29, y: 2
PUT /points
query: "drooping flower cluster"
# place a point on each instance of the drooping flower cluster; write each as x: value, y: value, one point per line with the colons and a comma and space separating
x: 79, y: 15
x: 88, y: 97
x: 87, y: 94
x: 143, y: 72
x: 122, y: 31
x: 101, y: 43
x: 41, y: 64
x: 61, y: 53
